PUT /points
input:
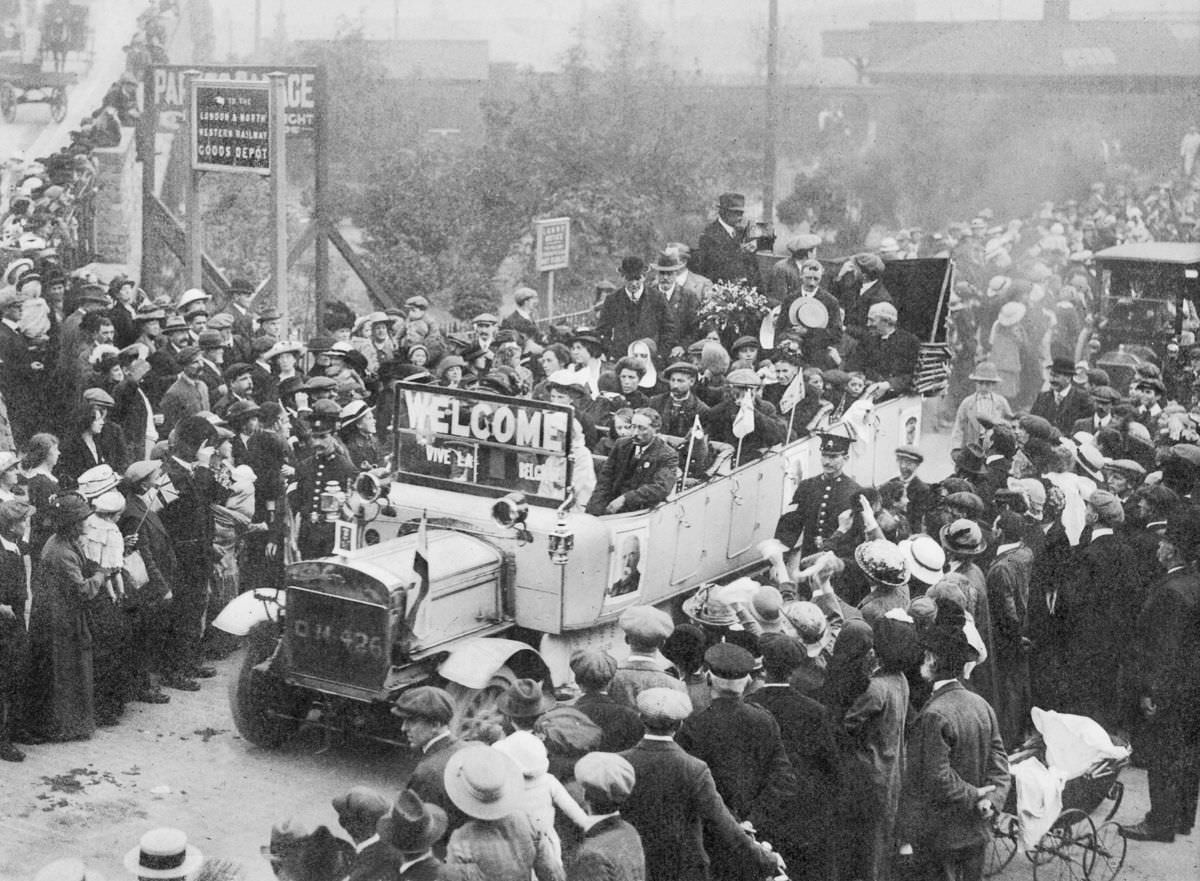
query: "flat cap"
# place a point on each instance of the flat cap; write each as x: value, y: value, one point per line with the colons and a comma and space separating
x: 187, y: 355
x: 524, y: 295
x: 417, y: 302
x: 221, y: 321
x: 485, y: 318
x: 1106, y: 393
x: 320, y: 384
x: 1107, y: 506
x: 242, y: 410
x: 682, y: 367
x: 663, y: 705
x: 907, y: 452
x: 425, y: 702
x: 593, y: 667
x: 646, y: 623
x: 362, y: 802
x: 743, y: 377
x: 210, y: 339
x: 729, y: 661
x: 1126, y: 465
x: 98, y: 397
x: 139, y: 471
x: 1189, y: 453
x: 606, y: 773
x: 803, y: 242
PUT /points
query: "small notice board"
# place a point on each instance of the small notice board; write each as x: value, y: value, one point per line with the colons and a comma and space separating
x: 232, y: 126
x: 553, y: 244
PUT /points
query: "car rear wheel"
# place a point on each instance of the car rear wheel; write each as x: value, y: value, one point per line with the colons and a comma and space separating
x: 473, y: 706
x: 266, y: 710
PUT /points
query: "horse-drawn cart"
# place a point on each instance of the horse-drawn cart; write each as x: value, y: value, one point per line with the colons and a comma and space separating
x: 29, y: 84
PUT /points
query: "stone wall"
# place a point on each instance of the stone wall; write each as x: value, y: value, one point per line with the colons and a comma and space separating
x: 119, y: 202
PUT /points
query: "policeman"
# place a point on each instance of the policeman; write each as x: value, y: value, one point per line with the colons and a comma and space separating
x: 820, y: 499
x: 327, y: 471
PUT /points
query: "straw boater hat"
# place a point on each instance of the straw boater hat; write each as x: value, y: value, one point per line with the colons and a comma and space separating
x: 809, y: 312
x: 163, y: 853
x: 704, y: 607
x: 1010, y: 313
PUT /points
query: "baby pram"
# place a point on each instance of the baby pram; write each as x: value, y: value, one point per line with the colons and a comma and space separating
x: 1061, y: 778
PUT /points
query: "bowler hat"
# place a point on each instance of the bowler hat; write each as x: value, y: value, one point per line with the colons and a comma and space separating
x: 412, y: 825
x: 731, y: 202
x: 1063, y: 366
x: 210, y: 339
x: 633, y: 267
x: 241, y: 286
x: 524, y: 699
x: 241, y: 410
x: 236, y: 371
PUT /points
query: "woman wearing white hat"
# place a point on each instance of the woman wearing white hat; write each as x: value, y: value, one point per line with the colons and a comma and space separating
x: 1006, y: 344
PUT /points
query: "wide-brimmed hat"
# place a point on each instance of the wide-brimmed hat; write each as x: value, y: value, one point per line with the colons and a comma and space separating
x: 985, y: 371
x: 97, y: 481
x: 294, y: 346
x: 412, y: 825
x: 925, y: 557
x: 163, y: 853
x: 808, y: 312
x: 525, y: 699
x: 882, y: 562
x: 483, y: 782
x: 1011, y: 313
x: 704, y: 607
x: 963, y: 537
x: 354, y: 412
x: 668, y: 261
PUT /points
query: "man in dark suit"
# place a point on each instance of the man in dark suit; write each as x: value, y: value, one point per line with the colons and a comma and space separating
x: 957, y: 776
x: 1008, y: 580
x: 808, y: 740
x: 359, y: 810
x: 742, y: 747
x: 919, y: 494
x: 724, y: 252
x: 520, y: 320
x: 1101, y: 612
x: 674, y: 799
x: 188, y: 519
x: 858, y: 287
x: 794, y: 278
x: 887, y: 354
x: 1164, y: 675
x: 721, y: 423
x: 594, y: 670
x: 20, y: 375
x: 688, y: 279
x: 426, y: 712
x: 820, y: 499
x: 1064, y: 403
x: 678, y: 406
x: 637, y: 311
x: 241, y: 293
x: 1103, y: 398
x: 683, y: 302
x: 640, y: 472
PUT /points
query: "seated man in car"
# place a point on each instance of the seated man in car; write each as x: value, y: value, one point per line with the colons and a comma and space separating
x: 640, y: 472
x: 756, y: 429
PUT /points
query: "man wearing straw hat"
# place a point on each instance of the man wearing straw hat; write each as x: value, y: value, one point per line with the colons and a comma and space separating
x: 984, y: 403
x: 164, y: 855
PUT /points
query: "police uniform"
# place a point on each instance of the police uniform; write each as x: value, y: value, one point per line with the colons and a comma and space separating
x: 818, y: 500
x: 318, y: 474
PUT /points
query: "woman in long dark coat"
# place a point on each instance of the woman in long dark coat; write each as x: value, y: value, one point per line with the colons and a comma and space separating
x: 60, y: 626
x: 14, y: 636
x: 89, y: 441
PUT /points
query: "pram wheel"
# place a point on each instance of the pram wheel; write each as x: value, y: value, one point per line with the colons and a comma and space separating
x: 1003, y: 845
x: 1108, y: 852
x: 1065, y: 852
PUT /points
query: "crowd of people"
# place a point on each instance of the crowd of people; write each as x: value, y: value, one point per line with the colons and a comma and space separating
x: 847, y: 716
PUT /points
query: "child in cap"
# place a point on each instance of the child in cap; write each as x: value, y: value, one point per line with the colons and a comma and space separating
x: 103, y: 543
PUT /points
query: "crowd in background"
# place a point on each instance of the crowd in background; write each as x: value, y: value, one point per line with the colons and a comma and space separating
x: 901, y: 635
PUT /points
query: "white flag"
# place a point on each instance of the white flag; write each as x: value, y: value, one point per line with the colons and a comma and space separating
x: 793, y: 394
x: 743, y: 422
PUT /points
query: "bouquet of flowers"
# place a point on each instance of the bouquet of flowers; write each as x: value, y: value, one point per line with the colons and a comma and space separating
x: 733, y: 309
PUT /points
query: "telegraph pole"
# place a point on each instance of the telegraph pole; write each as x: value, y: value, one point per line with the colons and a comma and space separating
x: 768, y: 215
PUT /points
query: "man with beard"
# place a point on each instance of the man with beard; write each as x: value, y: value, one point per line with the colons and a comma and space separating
x: 188, y: 394
x: 683, y: 303
x: 679, y: 406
